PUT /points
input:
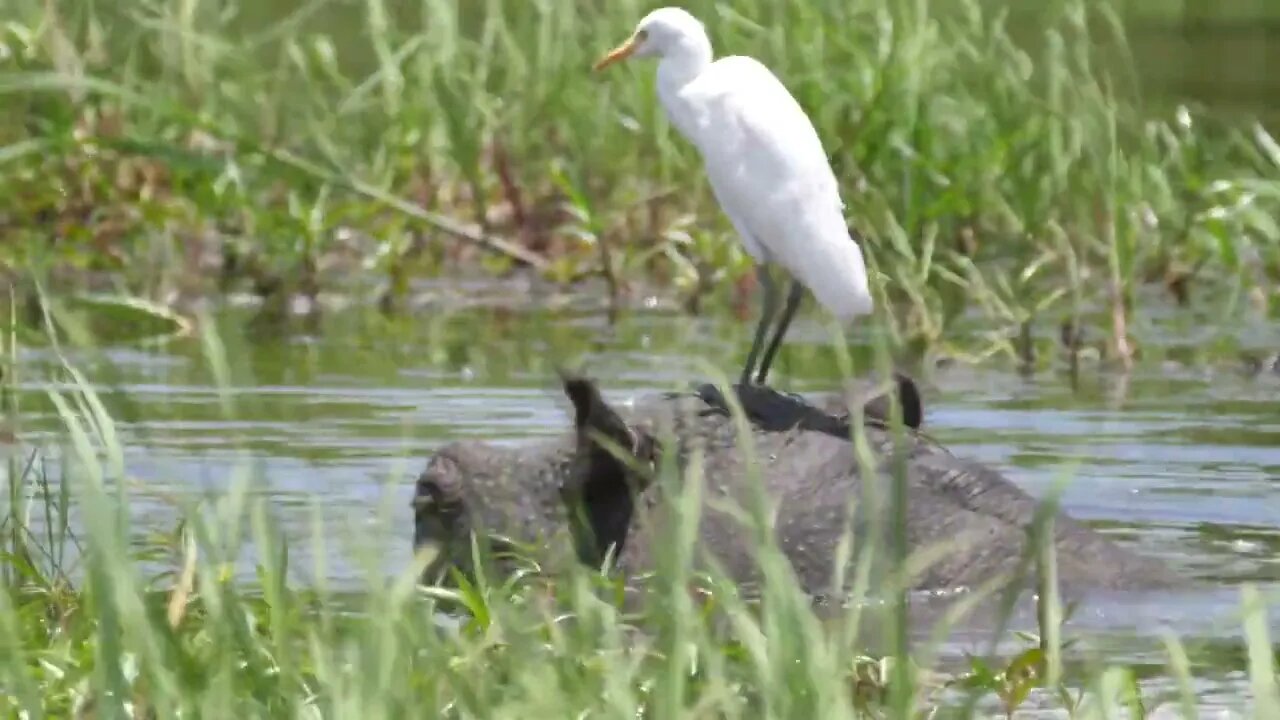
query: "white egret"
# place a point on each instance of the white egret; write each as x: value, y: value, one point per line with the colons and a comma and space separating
x: 766, y: 166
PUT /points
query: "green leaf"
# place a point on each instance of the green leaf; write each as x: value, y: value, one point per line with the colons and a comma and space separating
x: 122, y: 318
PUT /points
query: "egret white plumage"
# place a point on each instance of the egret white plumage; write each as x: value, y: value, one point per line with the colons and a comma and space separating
x: 766, y: 166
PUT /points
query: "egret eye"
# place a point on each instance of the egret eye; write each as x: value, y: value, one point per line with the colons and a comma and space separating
x: 642, y: 35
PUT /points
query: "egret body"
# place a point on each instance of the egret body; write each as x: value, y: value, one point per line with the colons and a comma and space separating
x: 767, y: 169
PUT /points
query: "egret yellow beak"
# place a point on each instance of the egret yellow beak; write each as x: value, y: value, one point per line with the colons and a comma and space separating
x: 619, y: 53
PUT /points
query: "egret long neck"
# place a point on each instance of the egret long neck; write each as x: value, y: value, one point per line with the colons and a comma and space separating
x: 679, y: 66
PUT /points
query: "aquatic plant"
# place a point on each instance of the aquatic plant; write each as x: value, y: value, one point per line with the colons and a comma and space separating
x: 999, y: 160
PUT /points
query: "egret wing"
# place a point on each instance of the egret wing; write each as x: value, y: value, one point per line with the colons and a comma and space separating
x: 771, y: 175
x: 749, y: 116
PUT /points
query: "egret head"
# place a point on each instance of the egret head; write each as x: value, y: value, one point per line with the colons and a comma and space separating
x: 659, y: 34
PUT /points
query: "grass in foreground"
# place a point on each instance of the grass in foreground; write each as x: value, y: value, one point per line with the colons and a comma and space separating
x: 995, y: 163
x: 94, y: 623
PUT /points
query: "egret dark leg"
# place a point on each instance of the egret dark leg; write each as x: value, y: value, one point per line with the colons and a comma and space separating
x: 768, y: 308
x: 764, y: 405
x: 794, y: 296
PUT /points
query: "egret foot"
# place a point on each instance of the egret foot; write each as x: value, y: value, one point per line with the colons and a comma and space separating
x: 773, y: 410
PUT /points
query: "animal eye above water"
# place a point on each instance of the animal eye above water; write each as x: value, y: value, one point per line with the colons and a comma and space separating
x: 642, y: 35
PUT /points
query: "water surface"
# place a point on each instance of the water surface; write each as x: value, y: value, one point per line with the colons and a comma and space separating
x: 1180, y: 462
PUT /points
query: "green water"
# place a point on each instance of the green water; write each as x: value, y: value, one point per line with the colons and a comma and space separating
x: 1181, y: 460
x: 1178, y: 461
x: 1219, y: 55
x: 332, y: 423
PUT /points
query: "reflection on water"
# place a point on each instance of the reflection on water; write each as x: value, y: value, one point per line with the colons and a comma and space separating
x: 1181, y: 464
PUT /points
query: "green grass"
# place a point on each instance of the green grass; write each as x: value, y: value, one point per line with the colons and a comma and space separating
x: 196, y: 147
x: 102, y: 618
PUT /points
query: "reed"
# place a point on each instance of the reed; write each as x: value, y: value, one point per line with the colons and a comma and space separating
x: 1002, y: 167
